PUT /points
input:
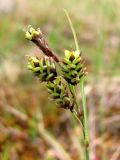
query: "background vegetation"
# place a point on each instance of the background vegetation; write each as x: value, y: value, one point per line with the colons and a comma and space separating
x: 32, y: 127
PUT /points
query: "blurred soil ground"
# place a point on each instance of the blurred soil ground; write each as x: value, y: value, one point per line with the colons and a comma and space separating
x: 32, y: 127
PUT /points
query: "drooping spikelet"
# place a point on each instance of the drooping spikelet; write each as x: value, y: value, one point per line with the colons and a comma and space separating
x: 72, y: 67
x: 59, y: 92
x: 44, y: 68
x: 36, y: 36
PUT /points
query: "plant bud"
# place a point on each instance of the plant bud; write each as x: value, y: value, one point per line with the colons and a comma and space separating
x: 31, y: 33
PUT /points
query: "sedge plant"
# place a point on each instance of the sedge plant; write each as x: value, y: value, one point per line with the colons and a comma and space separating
x: 62, y: 85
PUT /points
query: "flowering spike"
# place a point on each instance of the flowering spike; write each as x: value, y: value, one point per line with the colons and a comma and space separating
x: 59, y: 92
x: 44, y: 68
x: 72, y: 67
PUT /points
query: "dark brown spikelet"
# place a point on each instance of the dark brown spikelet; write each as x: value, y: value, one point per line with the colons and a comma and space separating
x: 43, y: 68
x: 72, y: 67
x: 59, y: 92
x: 37, y: 37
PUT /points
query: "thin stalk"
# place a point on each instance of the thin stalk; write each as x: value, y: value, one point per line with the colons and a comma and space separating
x: 73, y: 31
x: 86, y: 154
x: 85, y: 119
x: 75, y: 113
x: 78, y: 119
x: 72, y: 90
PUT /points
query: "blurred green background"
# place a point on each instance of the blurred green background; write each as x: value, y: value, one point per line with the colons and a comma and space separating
x: 97, y: 24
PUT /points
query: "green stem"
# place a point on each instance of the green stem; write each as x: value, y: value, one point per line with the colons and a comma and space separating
x: 76, y: 117
x: 86, y: 154
x: 72, y: 90
x: 75, y: 113
x: 85, y: 120
x: 72, y: 28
